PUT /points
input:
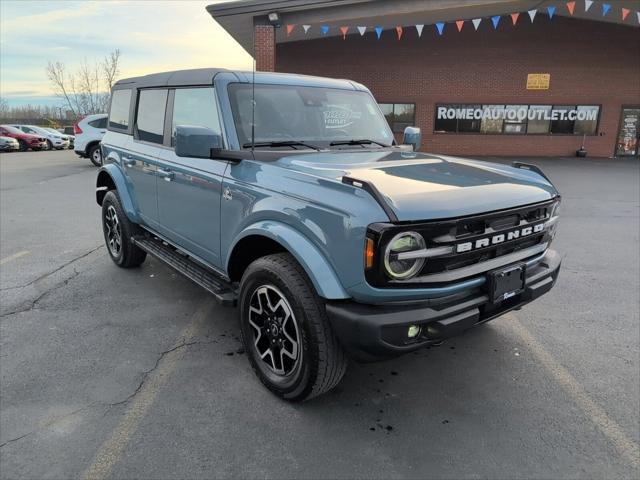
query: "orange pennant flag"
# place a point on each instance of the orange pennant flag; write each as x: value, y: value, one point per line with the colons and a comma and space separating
x: 290, y: 29
x: 344, y: 31
x: 625, y: 13
x: 514, y: 17
x: 459, y: 24
x: 571, y: 7
x: 399, y: 32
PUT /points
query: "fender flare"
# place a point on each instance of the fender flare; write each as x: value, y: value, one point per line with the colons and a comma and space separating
x: 315, y: 264
x: 118, y: 179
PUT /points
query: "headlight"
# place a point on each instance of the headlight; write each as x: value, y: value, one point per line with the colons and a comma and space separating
x: 399, y: 265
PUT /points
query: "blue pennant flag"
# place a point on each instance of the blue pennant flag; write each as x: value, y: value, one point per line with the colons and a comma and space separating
x: 440, y: 27
x: 324, y: 29
x: 379, y: 32
x: 496, y: 21
x: 605, y: 9
x: 551, y: 11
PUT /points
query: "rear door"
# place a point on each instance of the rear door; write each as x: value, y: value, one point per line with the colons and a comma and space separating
x: 189, y: 189
x: 141, y: 161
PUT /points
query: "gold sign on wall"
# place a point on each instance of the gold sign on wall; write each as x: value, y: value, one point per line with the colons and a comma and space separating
x: 538, y: 81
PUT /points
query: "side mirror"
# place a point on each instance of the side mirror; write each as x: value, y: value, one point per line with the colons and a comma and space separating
x: 413, y: 137
x: 192, y: 141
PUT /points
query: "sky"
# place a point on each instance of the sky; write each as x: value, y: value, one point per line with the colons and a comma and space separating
x: 152, y: 35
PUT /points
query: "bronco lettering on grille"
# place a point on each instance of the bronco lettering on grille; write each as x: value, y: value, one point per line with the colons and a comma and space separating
x: 498, y: 238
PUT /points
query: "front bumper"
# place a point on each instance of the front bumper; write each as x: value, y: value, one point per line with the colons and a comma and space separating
x: 371, y: 332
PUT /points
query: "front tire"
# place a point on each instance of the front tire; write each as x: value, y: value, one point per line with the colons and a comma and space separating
x: 49, y: 145
x: 118, y: 231
x: 286, y: 332
x: 95, y: 155
x: 23, y: 145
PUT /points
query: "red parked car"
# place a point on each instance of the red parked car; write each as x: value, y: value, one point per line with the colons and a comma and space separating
x: 26, y: 140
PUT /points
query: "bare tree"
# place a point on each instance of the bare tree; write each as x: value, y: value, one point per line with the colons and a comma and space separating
x: 87, y: 90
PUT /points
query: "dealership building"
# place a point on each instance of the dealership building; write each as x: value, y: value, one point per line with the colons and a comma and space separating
x: 479, y: 77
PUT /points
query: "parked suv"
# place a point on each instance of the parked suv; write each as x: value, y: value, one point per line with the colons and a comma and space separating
x: 289, y: 198
x: 54, y: 139
x: 26, y: 140
x: 88, y: 134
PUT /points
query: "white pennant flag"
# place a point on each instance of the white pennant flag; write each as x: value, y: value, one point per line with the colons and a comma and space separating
x: 476, y: 22
x: 587, y: 5
x: 419, y: 29
x: 362, y: 30
x: 306, y: 28
x: 532, y: 14
x: 638, y: 14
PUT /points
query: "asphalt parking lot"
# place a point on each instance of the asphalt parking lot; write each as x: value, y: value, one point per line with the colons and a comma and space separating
x: 139, y: 374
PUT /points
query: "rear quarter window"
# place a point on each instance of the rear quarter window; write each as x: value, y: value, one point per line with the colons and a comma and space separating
x: 119, y: 111
x: 97, y: 123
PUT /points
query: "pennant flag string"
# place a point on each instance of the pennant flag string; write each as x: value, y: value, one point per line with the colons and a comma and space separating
x: 324, y: 29
x: 362, y: 30
x: 605, y: 9
x: 571, y: 7
x: 440, y: 27
x: 551, y: 10
x: 587, y: 5
x: 419, y: 28
x: 344, y: 31
x: 638, y: 15
x: 476, y: 23
x: 399, y: 32
x: 532, y: 14
x: 379, y: 32
x: 459, y: 24
x: 496, y: 20
x: 290, y: 29
x: 514, y: 18
x: 306, y: 28
x: 625, y: 13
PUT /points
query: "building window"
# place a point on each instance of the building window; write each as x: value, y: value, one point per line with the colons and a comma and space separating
x: 150, y: 117
x: 517, y: 119
x: 399, y: 115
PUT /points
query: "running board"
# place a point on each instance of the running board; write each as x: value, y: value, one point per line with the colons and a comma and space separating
x: 222, y: 290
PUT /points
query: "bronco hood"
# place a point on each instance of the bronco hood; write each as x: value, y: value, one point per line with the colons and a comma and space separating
x: 419, y: 186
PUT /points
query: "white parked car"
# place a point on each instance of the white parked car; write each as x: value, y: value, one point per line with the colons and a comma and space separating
x: 8, y: 144
x: 89, y: 132
x: 68, y: 138
x: 54, y: 139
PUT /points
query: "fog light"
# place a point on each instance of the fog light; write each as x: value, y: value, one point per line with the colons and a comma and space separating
x: 414, y: 331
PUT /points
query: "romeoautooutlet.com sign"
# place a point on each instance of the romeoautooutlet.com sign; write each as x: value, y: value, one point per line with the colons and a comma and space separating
x: 516, y: 114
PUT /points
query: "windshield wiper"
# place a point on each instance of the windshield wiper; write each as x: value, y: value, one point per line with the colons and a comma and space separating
x: 363, y: 141
x: 285, y: 143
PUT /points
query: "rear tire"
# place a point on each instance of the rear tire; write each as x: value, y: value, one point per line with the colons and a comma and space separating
x: 118, y: 231
x: 49, y: 145
x: 286, y: 332
x: 95, y: 155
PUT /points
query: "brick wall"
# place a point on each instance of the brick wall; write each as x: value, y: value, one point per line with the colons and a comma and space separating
x: 591, y: 63
x: 264, y: 44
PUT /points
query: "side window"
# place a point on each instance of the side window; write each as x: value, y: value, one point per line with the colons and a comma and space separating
x: 119, y: 111
x: 99, y: 123
x: 196, y: 107
x: 152, y: 105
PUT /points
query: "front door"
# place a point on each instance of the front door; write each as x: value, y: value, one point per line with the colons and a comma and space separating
x: 628, y: 143
x: 189, y: 189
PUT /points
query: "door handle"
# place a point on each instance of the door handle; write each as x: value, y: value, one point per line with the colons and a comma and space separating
x: 129, y: 161
x: 166, y: 174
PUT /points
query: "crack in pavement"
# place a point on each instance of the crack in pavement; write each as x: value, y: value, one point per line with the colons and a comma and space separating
x: 48, y: 274
x: 145, y: 375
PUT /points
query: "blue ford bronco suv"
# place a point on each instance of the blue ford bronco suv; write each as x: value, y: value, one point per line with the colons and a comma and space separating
x: 287, y: 196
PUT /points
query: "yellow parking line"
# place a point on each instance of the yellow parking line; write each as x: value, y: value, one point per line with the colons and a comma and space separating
x: 112, y: 449
x: 626, y: 446
x: 14, y: 256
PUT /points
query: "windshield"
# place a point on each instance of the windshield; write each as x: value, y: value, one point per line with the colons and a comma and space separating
x: 317, y: 116
x: 11, y: 129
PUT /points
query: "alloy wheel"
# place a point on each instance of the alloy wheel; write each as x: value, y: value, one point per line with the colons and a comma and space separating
x: 96, y: 156
x: 276, y: 337
x: 114, y: 231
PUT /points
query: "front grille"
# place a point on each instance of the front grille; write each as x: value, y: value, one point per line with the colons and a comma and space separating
x: 466, y: 237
